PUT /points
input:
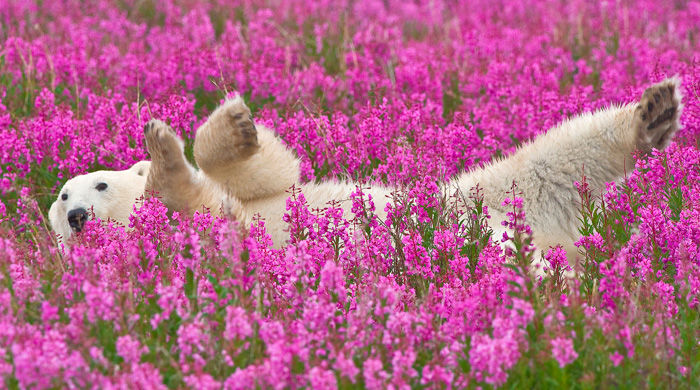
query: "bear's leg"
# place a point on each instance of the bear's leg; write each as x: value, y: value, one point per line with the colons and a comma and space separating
x: 599, y: 146
x: 246, y: 159
x: 172, y: 178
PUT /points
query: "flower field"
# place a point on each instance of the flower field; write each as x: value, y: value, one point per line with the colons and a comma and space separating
x: 405, y: 93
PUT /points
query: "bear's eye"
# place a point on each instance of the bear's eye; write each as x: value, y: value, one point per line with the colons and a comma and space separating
x: 101, y: 186
x: 64, y: 196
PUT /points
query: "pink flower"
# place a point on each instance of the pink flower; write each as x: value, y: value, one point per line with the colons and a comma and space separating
x: 374, y: 374
x: 238, y: 324
x: 492, y: 357
x: 141, y: 376
x: 616, y: 358
x: 556, y: 259
x: 202, y: 381
x: 320, y: 378
x: 563, y: 350
x: 346, y: 367
x: 130, y: 349
x: 242, y: 378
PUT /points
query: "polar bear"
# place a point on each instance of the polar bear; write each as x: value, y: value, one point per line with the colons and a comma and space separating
x: 245, y: 170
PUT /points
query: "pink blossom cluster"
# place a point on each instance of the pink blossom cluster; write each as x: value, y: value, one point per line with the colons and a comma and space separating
x: 401, y: 92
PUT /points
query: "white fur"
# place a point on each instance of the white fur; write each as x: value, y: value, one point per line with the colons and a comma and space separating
x: 244, y: 180
x: 598, y: 145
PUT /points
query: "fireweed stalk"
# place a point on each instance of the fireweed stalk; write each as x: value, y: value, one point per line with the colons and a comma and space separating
x: 404, y: 93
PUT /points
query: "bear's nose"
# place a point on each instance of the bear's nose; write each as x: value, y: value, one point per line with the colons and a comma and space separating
x: 77, y: 218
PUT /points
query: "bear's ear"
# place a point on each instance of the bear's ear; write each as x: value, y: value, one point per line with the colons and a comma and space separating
x: 141, y: 168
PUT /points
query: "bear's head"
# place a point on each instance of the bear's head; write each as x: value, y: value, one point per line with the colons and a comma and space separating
x: 106, y: 194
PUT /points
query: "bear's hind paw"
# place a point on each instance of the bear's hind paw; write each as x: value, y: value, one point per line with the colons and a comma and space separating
x: 656, y: 115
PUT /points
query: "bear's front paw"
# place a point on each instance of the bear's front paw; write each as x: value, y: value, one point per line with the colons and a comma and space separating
x: 162, y: 142
x: 656, y: 115
x: 242, y: 134
x: 232, y: 131
x: 228, y: 137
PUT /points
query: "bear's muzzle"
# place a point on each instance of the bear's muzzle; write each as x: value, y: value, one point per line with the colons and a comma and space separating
x: 77, y: 218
